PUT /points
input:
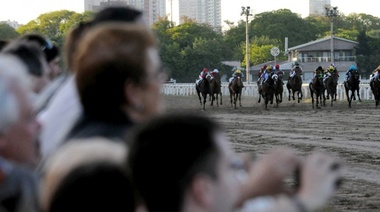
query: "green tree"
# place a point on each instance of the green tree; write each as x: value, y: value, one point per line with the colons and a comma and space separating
x: 7, y: 32
x: 54, y: 25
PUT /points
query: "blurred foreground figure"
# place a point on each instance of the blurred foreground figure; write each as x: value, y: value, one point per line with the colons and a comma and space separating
x: 18, y: 133
x: 200, y: 172
x: 87, y: 175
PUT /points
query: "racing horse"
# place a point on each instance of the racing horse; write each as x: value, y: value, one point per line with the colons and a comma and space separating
x: 317, y: 89
x: 235, y: 88
x: 203, y: 88
x: 266, y: 89
x: 352, y: 85
x: 294, y: 85
x: 330, y: 84
x: 215, y: 88
x: 375, y: 87
x: 279, y: 87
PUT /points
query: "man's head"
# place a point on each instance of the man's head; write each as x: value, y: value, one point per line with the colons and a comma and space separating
x: 31, y: 54
x: 194, y: 169
x: 18, y: 126
x: 119, y: 71
x: 86, y: 175
x: 109, y: 14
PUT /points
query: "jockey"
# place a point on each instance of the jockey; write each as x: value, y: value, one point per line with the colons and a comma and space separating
x: 329, y: 72
x: 202, y: 75
x: 235, y: 74
x: 266, y: 73
x: 335, y: 70
x: 261, y: 72
x: 214, y: 71
x: 349, y: 72
x: 375, y: 74
x: 293, y: 71
x: 276, y: 68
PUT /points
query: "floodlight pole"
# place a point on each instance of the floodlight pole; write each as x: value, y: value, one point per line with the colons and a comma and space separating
x: 247, y: 12
x: 332, y: 13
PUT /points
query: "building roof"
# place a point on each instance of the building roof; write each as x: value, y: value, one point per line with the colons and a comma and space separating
x: 321, y: 41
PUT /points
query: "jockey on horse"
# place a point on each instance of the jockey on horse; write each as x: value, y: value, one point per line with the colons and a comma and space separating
x: 261, y: 72
x: 266, y: 74
x: 349, y: 73
x: 294, y: 70
x: 202, y: 76
x: 329, y: 72
x: 236, y: 74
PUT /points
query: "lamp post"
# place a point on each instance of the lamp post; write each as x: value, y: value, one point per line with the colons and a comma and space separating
x: 332, y: 13
x: 247, y: 12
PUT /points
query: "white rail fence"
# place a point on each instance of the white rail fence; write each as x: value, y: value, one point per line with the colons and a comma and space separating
x: 187, y: 89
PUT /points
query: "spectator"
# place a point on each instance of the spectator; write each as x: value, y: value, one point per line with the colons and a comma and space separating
x: 87, y: 175
x: 33, y: 57
x: 50, y: 50
x: 18, y: 130
x: 199, y: 172
x: 126, y: 65
x: 66, y: 100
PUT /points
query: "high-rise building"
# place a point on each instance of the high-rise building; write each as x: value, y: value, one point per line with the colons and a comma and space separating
x: 202, y: 11
x: 152, y: 9
x: 317, y: 7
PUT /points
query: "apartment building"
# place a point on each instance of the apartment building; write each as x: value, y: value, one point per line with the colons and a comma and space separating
x: 317, y: 7
x: 152, y: 9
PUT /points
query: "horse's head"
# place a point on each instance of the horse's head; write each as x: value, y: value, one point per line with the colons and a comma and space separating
x: 355, y: 75
x: 298, y: 71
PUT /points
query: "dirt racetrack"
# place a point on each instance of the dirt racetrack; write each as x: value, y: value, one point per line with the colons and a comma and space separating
x: 351, y: 133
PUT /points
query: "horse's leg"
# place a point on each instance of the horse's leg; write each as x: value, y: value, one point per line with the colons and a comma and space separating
x: 216, y: 99
x: 204, y: 101
x: 235, y: 99
x: 240, y: 99
x: 199, y: 96
x: 259, y: 98
x: 221, y: 102
x: 289, y: 91
x: 293, y: 95
x: 212, y: 98
x: 359, y: 95
x: 231, y: 96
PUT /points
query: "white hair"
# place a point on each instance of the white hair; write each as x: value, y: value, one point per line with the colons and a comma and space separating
x: 12, y: 73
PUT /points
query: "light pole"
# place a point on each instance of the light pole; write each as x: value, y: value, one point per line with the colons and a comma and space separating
x: 332, y: 13
x: 247, y: 12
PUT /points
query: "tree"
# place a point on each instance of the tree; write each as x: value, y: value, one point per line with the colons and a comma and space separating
x: 54, y: 25
x: 7, y: 32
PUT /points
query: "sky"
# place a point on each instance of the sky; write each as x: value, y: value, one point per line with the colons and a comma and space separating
x: 24, y: 11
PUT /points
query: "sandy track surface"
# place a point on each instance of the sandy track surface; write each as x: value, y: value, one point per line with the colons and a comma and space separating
x: 353, y: 134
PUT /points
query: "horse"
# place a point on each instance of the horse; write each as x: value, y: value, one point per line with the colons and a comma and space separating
x: 375, y: 88
x: 215, y: 88
x: 204, y: 89
x: 266, y: 89
x: 316, y: 88
x: 375, y: 85
x: 352, y: 84
x: 294, y: 85
x: 330, y: 83
x: 235, y: 88
x: 279, y: 87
